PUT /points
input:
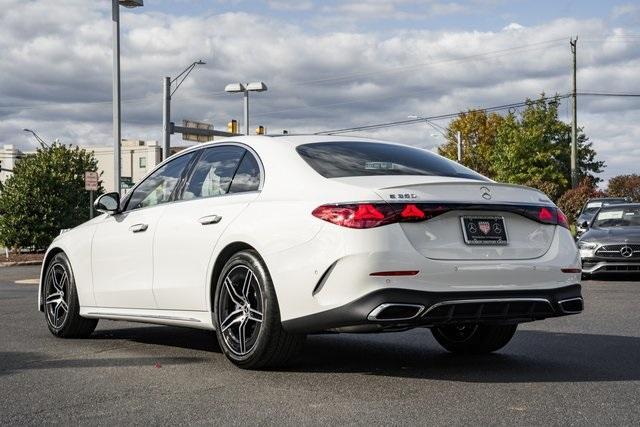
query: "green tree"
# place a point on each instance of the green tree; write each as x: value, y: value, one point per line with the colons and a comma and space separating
x: 534, y: 147
x: 625, y: 186
x: 478, y: 131
x: 45, y: 194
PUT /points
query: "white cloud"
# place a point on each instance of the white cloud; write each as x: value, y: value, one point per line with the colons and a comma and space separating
x: 60, y: 66
x: 290, y: 5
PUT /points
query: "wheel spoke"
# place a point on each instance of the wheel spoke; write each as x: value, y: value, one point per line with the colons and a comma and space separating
x: 242, y: 336
x: 246, y: 284
x: 64, y: 280
x: 233, y: 318
x: 233, y: 294
x: 255, y: 315
x: 55, y: 314
x: 54, y: 280
x: 64, y: 305
x: 53, y: 298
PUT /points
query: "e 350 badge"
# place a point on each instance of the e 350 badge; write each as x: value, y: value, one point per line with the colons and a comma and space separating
x: 403, y: 196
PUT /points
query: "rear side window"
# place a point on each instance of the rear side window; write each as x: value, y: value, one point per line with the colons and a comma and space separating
x: 213, y: 173
x: 247, y: 177
x: 360, y: 158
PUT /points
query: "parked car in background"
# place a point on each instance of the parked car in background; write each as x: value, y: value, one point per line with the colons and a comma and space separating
x: 591, y: 207
x: 611, y: 243
x: 266, y: 239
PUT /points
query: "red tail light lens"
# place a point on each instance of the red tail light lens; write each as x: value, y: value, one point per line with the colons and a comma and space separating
x: 370, y: 215
x: 562, y: 219
x: 367, y: 215
x: 546, y: 215
x: 412, y: 212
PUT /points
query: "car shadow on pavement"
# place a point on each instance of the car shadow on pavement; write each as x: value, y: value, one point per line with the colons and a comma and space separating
x: 11, y: 362
x: 533, y: 356
x: 193, y: 339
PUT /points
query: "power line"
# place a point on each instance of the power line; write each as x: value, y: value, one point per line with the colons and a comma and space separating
x: 453, y: 115
x: 438, y: 117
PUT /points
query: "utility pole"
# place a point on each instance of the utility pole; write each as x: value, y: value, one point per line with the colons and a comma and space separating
x: 574, y: 121
x: 459, y: 140
x: 166, y: 118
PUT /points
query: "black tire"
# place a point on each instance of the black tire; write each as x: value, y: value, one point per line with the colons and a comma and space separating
x: 268, y: 344
x: 62, y: 292
x: 472, y: 338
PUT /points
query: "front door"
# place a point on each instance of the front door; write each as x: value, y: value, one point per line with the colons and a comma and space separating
x: 122, y: 247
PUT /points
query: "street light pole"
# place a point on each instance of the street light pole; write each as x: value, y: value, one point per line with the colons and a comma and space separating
x: 115, y: 17
x: 245, y: 89
x: 37, y: 137
x: 115, y: 14
x: 166, y: 118
x: 167, y: 93
x: 246, y: 112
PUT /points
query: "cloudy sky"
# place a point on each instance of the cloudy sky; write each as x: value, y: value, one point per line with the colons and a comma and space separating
x: 328, y: 64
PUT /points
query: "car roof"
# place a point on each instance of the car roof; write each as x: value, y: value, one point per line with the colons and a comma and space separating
x: 604, y: 199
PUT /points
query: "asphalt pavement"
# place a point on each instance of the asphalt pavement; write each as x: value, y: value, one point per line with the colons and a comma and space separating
x: 576, y: 370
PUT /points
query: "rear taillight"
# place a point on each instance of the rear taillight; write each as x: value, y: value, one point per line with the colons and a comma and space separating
x: 370, y: 215
x: 562, y: 219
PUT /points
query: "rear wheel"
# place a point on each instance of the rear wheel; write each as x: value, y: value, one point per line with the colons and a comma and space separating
x: 473, y: 338
x: 247, y: 317
x: 61, y: 305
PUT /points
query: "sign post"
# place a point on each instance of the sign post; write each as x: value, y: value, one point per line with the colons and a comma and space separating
x: 91, y: 185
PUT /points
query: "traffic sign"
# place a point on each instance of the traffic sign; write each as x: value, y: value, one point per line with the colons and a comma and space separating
x: 91, y: 181
x: 196, y: 136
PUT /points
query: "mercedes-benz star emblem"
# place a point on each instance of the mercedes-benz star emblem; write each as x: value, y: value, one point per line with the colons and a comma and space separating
x: 626, y: 251
x: 486, y: 193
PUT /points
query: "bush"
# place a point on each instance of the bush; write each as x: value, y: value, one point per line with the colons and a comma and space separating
x: 45, y: 194
x: 572, y: 201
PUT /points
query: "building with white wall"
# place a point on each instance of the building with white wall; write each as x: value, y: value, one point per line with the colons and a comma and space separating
x: 137, y: 159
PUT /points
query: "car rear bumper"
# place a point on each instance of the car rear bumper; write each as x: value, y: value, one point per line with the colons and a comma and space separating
x: 393, y: 309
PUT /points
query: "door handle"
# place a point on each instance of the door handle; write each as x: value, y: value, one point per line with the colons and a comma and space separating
x: 138, y: 228
x: 210, y: 219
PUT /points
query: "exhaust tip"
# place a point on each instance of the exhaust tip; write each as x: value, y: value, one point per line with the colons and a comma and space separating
x: 395, y: 312
x: 571, y: 305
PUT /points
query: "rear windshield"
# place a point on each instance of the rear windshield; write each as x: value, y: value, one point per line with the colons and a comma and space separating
x: 359, y: 158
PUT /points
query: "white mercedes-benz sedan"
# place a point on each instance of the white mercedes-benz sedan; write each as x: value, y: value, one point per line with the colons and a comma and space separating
x: 267, y: 239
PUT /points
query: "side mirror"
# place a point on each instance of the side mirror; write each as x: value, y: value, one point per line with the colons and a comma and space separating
x: 108, y: 203
x: 584, y: 224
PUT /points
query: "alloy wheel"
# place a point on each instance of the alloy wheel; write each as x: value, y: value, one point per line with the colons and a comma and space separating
x: 240, y: 310
x: 57, y: 296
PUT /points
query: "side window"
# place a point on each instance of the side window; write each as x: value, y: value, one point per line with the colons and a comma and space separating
x: 213, y: 173
x: 157, y: 188
x: 247, y: 177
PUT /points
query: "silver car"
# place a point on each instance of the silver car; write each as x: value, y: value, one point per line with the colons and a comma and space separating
x: 611, y: 243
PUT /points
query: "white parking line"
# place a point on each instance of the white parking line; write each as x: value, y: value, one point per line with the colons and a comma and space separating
x: 27, y: 281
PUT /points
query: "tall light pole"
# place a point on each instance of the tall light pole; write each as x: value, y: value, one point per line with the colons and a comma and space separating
x: 115, y: 17
x: 37, y: 137
x: 442, y: 131
x: 166, y: 106
x: 245, y: 89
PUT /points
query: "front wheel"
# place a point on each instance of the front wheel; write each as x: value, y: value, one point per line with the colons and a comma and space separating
x: 61, y: 305
x: 474, y: 338
x: 247, y: 317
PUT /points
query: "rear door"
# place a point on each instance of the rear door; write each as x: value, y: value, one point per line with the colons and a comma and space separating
x: 223, y: 182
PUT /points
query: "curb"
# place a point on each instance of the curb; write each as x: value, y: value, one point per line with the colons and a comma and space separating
x: 18, y: 263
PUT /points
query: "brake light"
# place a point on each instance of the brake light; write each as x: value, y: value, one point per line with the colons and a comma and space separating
x: 545, y: 215
x: 370, y: 215
x: 412, y: 212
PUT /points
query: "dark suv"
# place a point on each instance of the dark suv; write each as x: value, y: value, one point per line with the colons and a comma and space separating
x: 591, y: 207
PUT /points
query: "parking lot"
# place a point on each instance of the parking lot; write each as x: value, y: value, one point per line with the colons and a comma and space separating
x: 582, y: 369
